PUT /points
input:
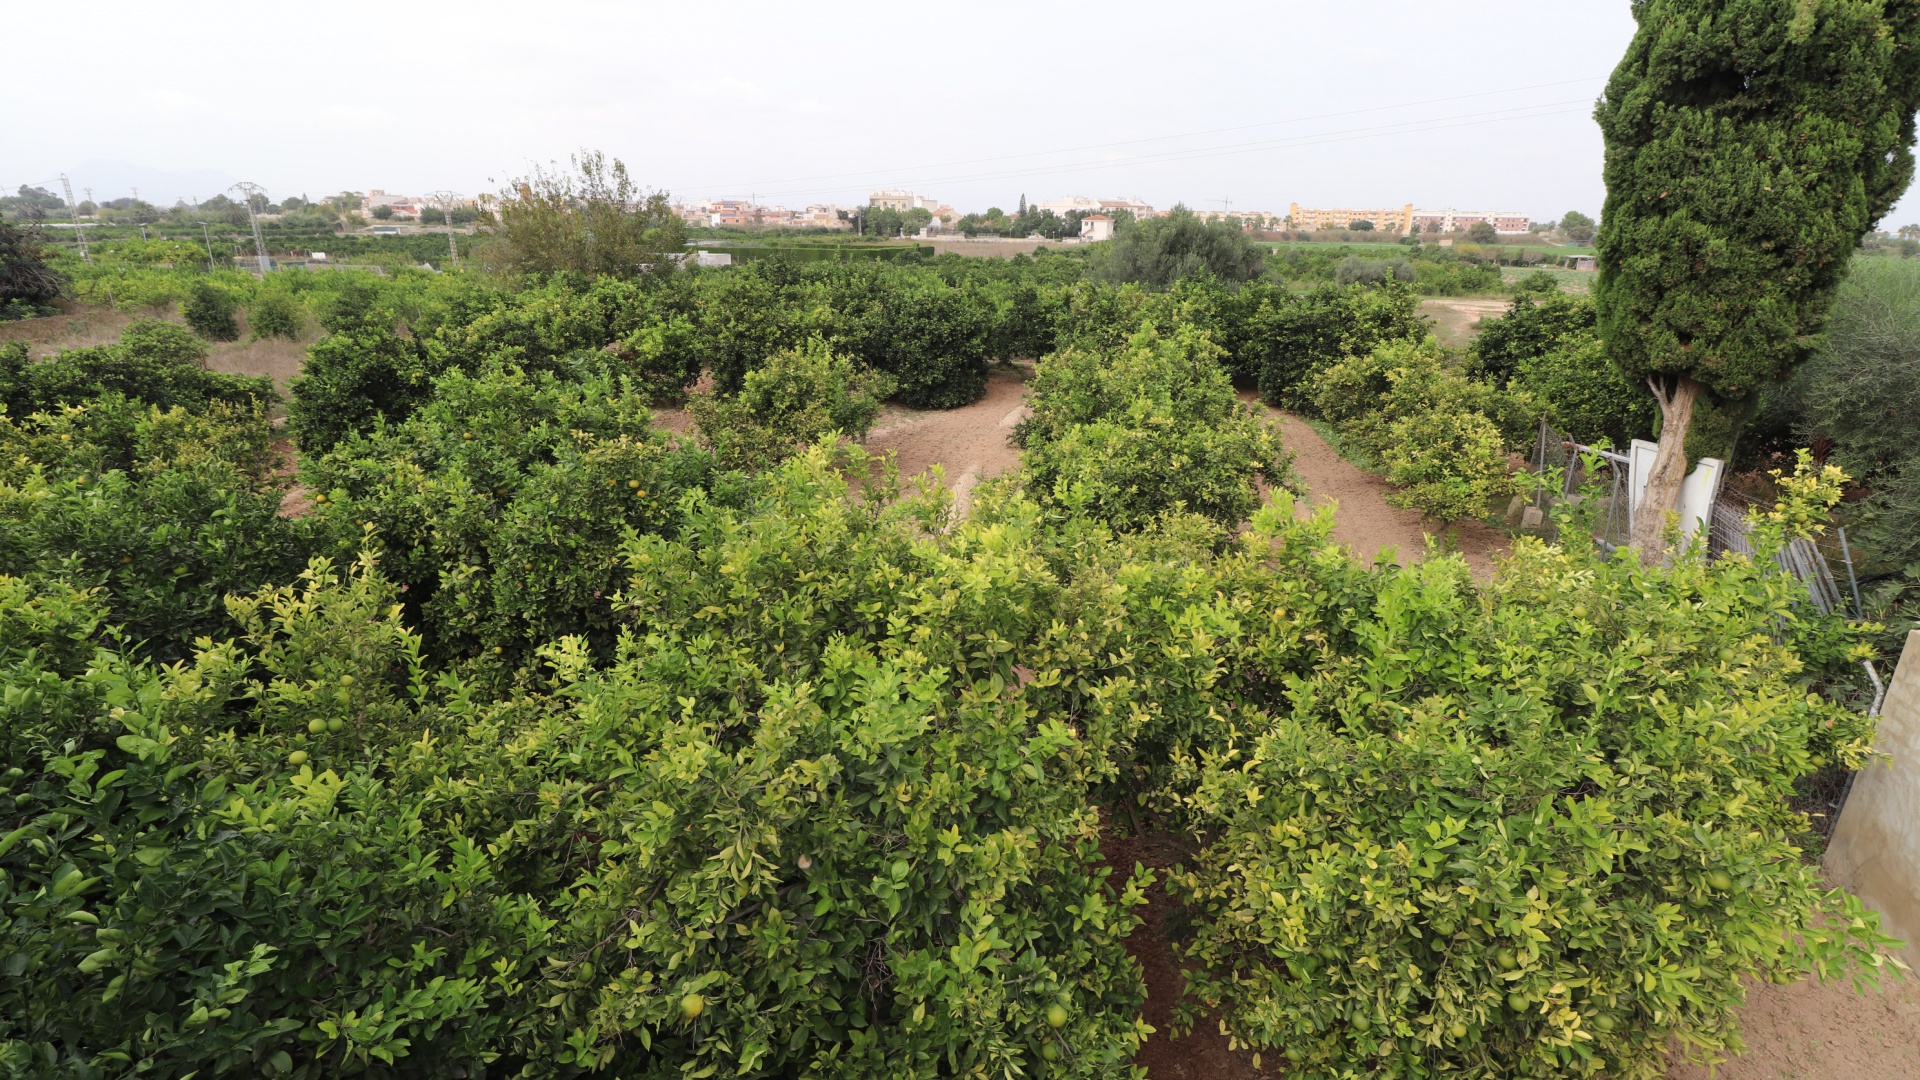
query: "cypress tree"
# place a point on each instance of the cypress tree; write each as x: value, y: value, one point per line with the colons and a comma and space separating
x: 1749, y: 146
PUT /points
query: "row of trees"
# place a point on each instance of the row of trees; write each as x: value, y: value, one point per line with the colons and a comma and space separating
x: 541, y: 742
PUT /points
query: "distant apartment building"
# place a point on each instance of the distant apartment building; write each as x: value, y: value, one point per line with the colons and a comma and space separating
x: 742, y: 213
x: 1504, y: 222
x: 902, y: 200
x: 1085, y: 205
x: 1385, y: 220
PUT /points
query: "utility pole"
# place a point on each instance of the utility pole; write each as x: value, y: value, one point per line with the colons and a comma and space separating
x: 208, y: 237
x: 248, y: 190
x: 446, y: 206
x: 73, y: 213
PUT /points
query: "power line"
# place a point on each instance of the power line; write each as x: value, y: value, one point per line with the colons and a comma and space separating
x: 446, y: 206
x: 248, y: 190
x: 1316, y: 139
x: 1165, y: 138
x: 73, y: 212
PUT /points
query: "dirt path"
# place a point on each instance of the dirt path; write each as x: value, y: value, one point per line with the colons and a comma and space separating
x: 1362, y: 520
x: 1455, y: 319
x: 1805, y: 1031
x: 969, y: 443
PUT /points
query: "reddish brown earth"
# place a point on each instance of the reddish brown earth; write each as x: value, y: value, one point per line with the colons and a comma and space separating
x: 1203, y: 1053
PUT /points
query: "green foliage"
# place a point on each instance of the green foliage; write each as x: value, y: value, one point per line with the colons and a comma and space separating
x: 29, y: 284
x: 1447, y: 465
x: 1131, y: 436
x: 276, y: 314
x: 784, y: 832
x: 1586, y: 394
x: 160, y: 512
x: 1303, y: 334
x: 362, y: 374
x: 591, y: 219
x: 1160, y: 251
x: 1542, y: 830
x: 1862, y: 388
x: 796, y: 399
x: 154, y: 362
x: 209, y: 311
x: 1483, y: 232
x: 502, y: 502
x: 1750, y: 145
x: 1366, y: 396
x: 1532, y: 327
x: 1578, y: 227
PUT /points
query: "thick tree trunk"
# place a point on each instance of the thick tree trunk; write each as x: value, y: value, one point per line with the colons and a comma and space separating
x: 1669, y: 466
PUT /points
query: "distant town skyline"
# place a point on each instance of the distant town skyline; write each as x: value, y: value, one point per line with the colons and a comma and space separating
x: 1229, y: 103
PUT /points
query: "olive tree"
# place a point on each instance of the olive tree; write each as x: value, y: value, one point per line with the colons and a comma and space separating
x: 592, y: 219
x: 1749, y: 146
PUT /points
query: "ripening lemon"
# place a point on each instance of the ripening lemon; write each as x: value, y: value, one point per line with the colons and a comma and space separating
x: 298, y: 757
x: 336, y: 725
x: 1720, y: 879
x: 1049, y: 1051
x: 1057, y: 1016
x: 692, y: 1006
x: 1517, y: 1001
x: 1457, y: 1029
x: 316, y: 727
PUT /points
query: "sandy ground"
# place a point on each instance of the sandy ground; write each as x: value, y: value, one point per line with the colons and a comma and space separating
x: 969, y: 444
x: 1201, y: 1054
x: 1454, y: 317
x: 1362, y: 520
x: 87, y: 327
x: 1805, y: 1031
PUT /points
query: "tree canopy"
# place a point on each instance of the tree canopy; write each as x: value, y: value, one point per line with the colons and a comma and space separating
x: 592, y: 219
x: 1749, y: 146
x: 28, y: 285
x: 1160, y: 251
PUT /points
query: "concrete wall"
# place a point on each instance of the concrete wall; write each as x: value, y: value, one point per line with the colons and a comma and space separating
x: 1875, y: 850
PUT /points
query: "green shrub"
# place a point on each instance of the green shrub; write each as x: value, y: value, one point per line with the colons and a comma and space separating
x: 501, y: 504
x: 276, y: 314
x: 154, y: 362
x: 786, y: 832
x: 1533, y: 327
x: 1365, y: 396
x: 360, y: 375
x: 1541, y: 830
x: 1586, y: 394
x: 1301, y: 335
x: 1153, y: 429
x: 795, y: 399
x: 1447, y: 465
x: 162, y: 513
x: 930, y: 338
x: 209, y: 311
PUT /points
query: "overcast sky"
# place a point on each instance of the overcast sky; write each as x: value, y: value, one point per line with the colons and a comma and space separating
x: 1475, y: 104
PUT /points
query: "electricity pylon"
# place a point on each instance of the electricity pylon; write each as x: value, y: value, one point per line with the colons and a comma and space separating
x: 446, y: 206
x: 247, y: 191
x: 73, y: 212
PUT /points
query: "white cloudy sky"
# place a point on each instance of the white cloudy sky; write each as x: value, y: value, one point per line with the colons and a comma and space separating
x: 1468, y: 103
